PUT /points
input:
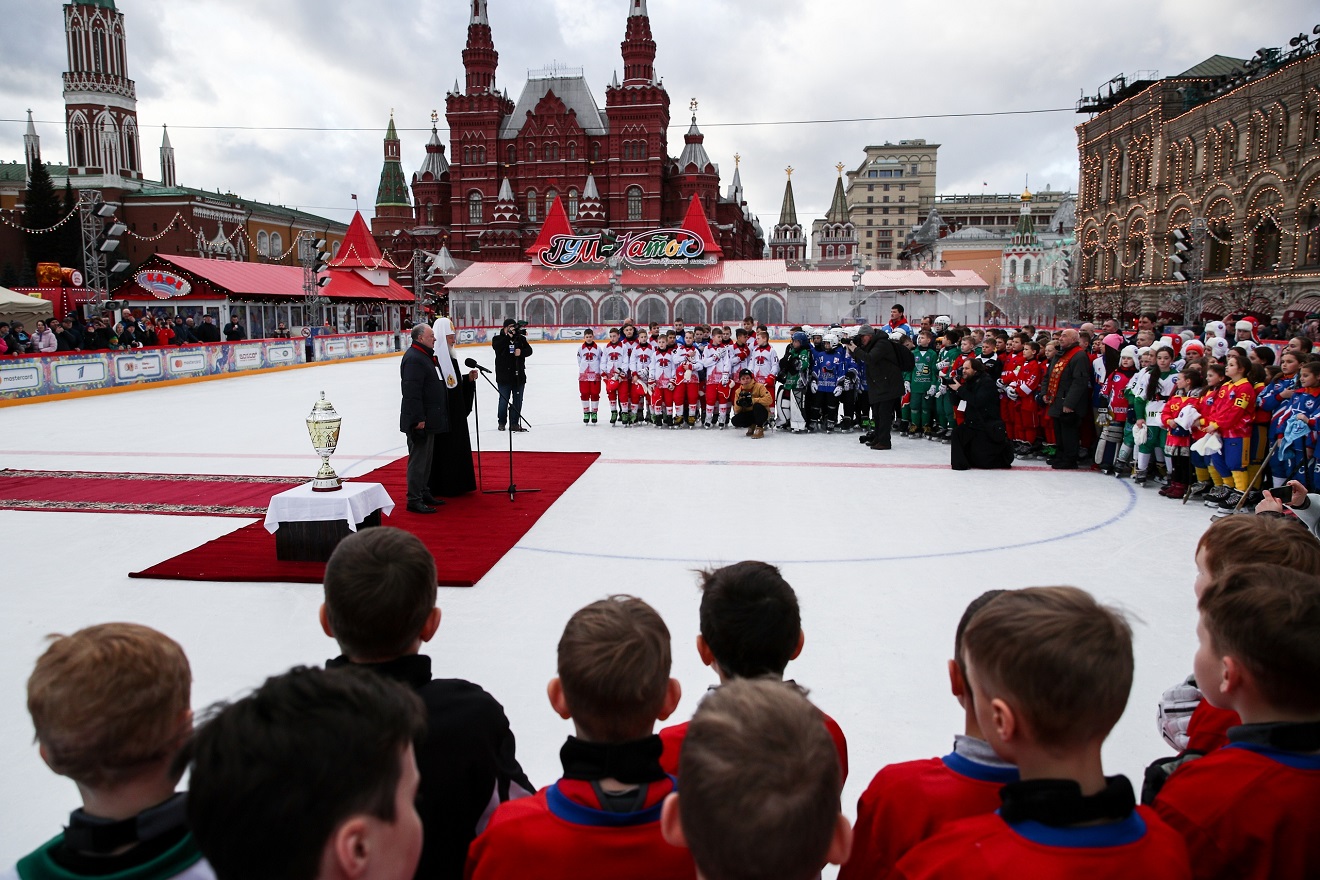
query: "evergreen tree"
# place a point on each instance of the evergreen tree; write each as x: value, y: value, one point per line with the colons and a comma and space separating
x: 41, y: 210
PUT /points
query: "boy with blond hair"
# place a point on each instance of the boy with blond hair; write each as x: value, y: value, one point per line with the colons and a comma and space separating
x: 1050, y: 670
x: 760, y: 795
x: 909, y: 802
x: 1248, y: 810
x: 111, y: 708
x: 602, y: 819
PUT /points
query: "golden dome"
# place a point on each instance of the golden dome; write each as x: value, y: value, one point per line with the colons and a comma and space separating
x: 1026, y: 195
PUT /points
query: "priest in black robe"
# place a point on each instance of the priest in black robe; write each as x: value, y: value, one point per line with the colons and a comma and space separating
x: 451, y: 466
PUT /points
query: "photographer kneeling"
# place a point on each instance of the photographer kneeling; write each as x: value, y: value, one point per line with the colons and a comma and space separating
x: 981, y: 440
x: 751, y: 405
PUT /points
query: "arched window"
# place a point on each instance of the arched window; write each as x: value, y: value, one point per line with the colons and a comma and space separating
x: 474, y: 207
x: 595, y: 151
x: 613, y: 309
x: 572, y: 150
x: 276, y: 245
x: 539, y: 310
x: 1012, y: 271
x: 430, y: 214
x: 1026, y: 271
x: 690, y: 310
x: 550, y: 196
x: 634, y: 203
x: 1311, y: 237
x: 531, y: 152
x: 768, y: 310
x: 512, y: 153
x: 729, y: 310
x: 577, y: 311
x: 652, y: 308
x: 263, y: 243
x: 572, y: 204
x: 551, y: 151
x: 1265, y: 245
x: 334, y: 249
x: 532, y: 206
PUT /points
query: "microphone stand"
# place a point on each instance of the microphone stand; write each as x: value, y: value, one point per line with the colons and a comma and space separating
x: 476, y: 409
x: 513, y: 491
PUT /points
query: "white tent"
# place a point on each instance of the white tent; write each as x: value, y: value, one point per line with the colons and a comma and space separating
x: 21, y: 307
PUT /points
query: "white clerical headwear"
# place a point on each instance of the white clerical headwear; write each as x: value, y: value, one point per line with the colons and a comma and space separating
x: 443, y: 326
x: 444, y: 361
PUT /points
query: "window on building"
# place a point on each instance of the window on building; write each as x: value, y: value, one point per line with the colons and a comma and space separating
x: 902, y: 198
x: 652, y: 308
x: 729, y: 309
x: 550, y: 197
x: 690, y: 310
x: 886, y: 255
x: 540, y: 311
x: 613, y: 309
x: 276, y: 245
x: 885, y: 199
x: 1311, y: 237
x: 263, y: 244
x: 886, y: 233
x: 595, y: 151
x: 634, y: 203
x: 572, y: 204
x: 1265, y: 246
x: 884, y: 210
x: 577, y: 311
x: 572, y: 150
x: 915, y: 169
x: 512, y: 154
x: 474, y: 207
x: 870, y: 187
x: 870, y: 199
x: 531, y: 152
x: 886, y: 187
x: 872, y: 174
x: 868, y: 233
x: 532, y: 206
x: 551, y: 152
x: 768, y: 310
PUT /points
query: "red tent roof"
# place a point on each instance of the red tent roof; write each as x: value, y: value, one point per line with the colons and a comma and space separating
x: 359, y: 249
x: 696, y: 223
x: 228, y: 278
x: 556, y: 223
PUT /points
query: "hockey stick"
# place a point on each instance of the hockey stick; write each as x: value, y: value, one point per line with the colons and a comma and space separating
x: 1260, y: 470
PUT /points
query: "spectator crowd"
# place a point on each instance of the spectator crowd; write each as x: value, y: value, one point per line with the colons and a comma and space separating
x: 374, y: 768
x: 110, y: 332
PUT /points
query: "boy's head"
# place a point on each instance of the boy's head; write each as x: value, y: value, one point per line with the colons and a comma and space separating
x: 958, y: 665
x: 1050, y: 669
x: 614, y: 334
x: 761, y: 784
x: 311, y: 775
x: 1259, y: 653
x: 750, y: 623
x: 1283, y: 540
x: 110, y: 704
x: 380, y: 591
x: 588, y: 334
x: 613, y: 680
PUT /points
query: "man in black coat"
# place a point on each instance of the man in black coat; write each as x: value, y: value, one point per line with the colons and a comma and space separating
x: 1067, y: 390
x: 234, y: 331
x: 886, y: 361
x: 208, y: 332
x: 511, y: 353
x: 423, y: 414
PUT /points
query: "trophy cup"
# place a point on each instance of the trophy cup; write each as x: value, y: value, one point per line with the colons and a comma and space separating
x: 323, y: 426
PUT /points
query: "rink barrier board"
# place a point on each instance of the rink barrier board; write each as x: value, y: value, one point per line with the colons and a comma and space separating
x: 34, y: 378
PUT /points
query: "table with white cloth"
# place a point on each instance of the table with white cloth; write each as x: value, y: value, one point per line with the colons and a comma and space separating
x: 309, y: 525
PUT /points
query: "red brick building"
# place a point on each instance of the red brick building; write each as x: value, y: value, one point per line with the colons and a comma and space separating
x: 509, y: 161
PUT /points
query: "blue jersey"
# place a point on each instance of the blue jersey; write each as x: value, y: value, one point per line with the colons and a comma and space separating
x: 854, y: 371
x: 1269, y: 400
x: 828, y: 368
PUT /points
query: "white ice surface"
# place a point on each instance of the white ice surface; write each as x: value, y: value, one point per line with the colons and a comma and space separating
x: 884, y: 550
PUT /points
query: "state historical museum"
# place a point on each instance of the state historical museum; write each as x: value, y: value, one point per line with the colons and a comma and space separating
x: 509, y: 162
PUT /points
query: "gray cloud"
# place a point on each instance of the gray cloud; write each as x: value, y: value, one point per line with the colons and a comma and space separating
x: 344, y: 64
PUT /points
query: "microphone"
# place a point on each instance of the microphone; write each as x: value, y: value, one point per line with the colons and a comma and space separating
x: 472, y: 363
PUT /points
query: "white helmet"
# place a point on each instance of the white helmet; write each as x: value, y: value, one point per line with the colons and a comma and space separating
x: 809, y: 330
x: 943, y: 321
x: 831, y: 339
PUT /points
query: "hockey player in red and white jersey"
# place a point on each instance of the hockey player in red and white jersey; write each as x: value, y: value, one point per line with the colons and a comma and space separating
x: 763, y: 361
x: 639, y: 378
x: 662, y: 381
x: 588, y: 360
x: 718, y: 361
x: 614, y: 359
x: 687, y: 383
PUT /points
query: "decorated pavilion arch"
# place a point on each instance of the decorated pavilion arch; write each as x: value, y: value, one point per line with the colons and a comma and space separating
x: 539, y: 310
x: 652, y: 307
x: 730, y: 308
x: 614, y: 309
x: 690, y: 309
x: 768, y: 309
x: 576, y: 310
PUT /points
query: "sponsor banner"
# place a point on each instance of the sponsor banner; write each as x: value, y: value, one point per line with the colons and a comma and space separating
x: 351, y: 345
x: 187, y: 361
x: 140, y: 365
x: 359, y: 345
x: 279, y: 354
x: 81, y: 372
x: 21, y: 379
x: 240, y: 356
x: 382, y: 343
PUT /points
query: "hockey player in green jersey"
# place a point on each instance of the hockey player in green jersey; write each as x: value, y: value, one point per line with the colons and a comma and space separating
x: 923, y: 386
x: 944, y: 418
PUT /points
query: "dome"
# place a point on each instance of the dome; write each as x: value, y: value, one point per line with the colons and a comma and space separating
x: 1026, y: 195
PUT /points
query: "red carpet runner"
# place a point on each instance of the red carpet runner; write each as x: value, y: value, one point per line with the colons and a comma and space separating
x: 189, y: 495
x: 468, y: 535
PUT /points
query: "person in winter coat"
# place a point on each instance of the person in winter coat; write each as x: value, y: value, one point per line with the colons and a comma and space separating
x: 43, y: 339
x: 751, y: 405
x: 1067, y: 390
x: 511, y: 353
x: 884, y: 362
x: 795, y: 376
x: 981, y: 441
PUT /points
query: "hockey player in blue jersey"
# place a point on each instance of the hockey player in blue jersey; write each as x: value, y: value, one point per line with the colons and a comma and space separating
x: 828, y: 368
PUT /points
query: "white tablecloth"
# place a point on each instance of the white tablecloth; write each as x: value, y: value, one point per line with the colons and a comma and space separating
x: 353, y: 503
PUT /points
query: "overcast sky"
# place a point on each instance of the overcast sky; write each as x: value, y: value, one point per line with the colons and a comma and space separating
x: 225, y: 75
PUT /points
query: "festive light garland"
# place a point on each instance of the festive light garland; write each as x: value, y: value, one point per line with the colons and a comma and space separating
x: 15, y: 211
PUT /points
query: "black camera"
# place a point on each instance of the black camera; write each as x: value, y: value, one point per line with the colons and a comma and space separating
x: 949, y: 380
x: 745, y: 399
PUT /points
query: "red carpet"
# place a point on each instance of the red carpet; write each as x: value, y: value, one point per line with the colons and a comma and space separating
x: 491, y: 525
x: 191, y: 495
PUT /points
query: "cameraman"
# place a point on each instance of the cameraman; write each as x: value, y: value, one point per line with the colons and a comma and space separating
x: 751, y: 405
x: 885, y: 362
x: 511, y: 353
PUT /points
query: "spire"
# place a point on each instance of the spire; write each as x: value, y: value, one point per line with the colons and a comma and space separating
x: 838, y: 212
x: 31, y: 146
x: 591, y: 211
x: 638, y: 47
x: 788, y: 210
x: 359, y: 250
x: 393, y: 188
x: 505, y: 212
x: 436, y: 165
x: 696, y: 222
x: 694, y: 153
x: 556, y: 223
x: 506, y: 191
x: 735, y: 186
x: 479, y: 57
x: 590, y: 191
x: 167, y: 174
x: 1025, y: 232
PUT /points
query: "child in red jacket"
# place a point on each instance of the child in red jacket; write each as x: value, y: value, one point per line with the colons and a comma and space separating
x: 907, y: 803
x: 1050, y: 671
x: 1248, y: 810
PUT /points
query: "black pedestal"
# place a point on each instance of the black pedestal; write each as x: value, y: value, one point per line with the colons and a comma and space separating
x: 315, y: 540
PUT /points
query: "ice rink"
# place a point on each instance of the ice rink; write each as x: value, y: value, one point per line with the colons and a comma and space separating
x: 884, y: 549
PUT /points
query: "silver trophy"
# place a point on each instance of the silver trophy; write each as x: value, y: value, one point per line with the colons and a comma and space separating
x: 323, y: 427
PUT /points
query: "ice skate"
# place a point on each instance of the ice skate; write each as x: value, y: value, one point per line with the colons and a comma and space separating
x: 593, y: 419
